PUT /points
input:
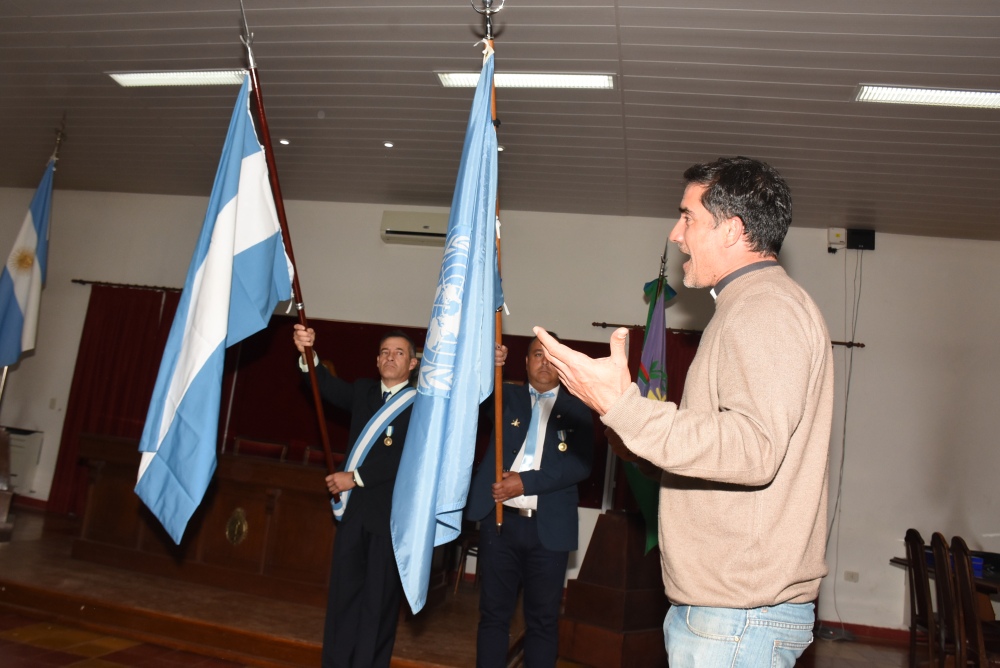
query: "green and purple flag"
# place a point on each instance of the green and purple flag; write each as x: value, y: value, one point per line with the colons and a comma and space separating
x: 652, y: 382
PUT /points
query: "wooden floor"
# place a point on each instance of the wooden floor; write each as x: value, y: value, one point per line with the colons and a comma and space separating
x: 27, y: 641
x: 56, y: 611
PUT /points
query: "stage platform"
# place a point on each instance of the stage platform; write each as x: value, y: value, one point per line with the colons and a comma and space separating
x: 38, y: 574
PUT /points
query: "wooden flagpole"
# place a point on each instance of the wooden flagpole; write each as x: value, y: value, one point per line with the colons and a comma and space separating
x: 488, y: 11
x: 498, y: 370
x: 279, y: 205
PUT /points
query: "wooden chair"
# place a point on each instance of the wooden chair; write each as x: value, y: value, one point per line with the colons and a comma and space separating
x: 949, y: 622
x: 313, y: 456
x: 253, y: 448
x: 469, y: 542
x: 923, y: 626
x: 979, y: 643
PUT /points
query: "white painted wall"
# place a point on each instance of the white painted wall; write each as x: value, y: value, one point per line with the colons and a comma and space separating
x: 921, y: 423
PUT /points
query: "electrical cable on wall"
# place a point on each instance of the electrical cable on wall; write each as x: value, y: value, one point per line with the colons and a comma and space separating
x: 842, y: 633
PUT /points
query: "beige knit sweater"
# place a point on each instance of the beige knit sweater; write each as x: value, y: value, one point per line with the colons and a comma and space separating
x: 743, y: 491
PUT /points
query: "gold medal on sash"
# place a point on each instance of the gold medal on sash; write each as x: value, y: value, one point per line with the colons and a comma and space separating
x: 388, y: 435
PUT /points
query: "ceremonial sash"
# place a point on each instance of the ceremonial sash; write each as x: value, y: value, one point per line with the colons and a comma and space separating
x: 396, y: 404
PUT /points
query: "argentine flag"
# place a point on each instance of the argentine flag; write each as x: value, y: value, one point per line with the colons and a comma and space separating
x: 24, y: 276
x: 237, y: 276
x: 456, y: 373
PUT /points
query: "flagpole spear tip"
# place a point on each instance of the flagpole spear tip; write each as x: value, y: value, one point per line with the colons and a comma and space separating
x: 60, y: 138
x: 488, y: 10
x: 663, y: 258
x: 247, y: 38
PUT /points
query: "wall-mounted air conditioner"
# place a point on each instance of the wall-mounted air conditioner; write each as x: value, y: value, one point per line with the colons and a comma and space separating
x: 419, y: 228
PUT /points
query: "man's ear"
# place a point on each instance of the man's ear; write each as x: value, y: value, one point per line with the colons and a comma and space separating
x: 413, y: 363
x: 734, y: 230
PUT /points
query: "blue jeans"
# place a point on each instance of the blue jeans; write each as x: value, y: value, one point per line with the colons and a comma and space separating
x: 698, y: 637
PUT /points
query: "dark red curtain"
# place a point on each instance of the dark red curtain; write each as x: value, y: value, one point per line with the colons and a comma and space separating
x: 120, y: 349
x: 123, y: 339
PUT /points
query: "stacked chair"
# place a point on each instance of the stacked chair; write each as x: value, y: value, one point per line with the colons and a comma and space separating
x: 979, y: 640
x: 949, y: 623
x: 957, y: 628
x: 923, y: 624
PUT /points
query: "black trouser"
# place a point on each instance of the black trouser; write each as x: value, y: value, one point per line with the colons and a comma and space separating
x: 506, y: 562
x: 362, y: 608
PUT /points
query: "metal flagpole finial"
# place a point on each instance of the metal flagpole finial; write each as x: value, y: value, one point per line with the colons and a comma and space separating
x: 247, y: 38
x: 488, y: 10
x: 663, y: 259
x: 60, y: 138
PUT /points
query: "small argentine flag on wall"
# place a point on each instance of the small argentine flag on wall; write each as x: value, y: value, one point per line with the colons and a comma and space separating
x: 24, y: 276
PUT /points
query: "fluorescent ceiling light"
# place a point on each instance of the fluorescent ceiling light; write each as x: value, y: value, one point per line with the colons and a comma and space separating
x: 982, y: 99
x: 528, y: 80
x: 188, y: 78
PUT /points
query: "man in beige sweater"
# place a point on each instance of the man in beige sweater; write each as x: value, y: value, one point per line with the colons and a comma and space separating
x: 742, y: 461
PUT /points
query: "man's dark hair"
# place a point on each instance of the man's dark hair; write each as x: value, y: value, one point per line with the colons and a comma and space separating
x: 398, y: 334
x: 535, y: 338
x: 752, y: 190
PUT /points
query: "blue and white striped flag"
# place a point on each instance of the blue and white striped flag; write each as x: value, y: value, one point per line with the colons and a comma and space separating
x: 237, y: 276
x: 456, y: 373
x: 23, y: 277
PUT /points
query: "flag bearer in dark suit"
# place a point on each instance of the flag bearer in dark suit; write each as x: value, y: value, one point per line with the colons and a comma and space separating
x: 365, y: 590
x: 539, y: 493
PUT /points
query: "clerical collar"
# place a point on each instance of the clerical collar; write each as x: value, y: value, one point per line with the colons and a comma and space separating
x: 742, y: 271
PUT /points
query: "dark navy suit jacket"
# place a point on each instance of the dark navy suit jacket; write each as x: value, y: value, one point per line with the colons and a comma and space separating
x: 371, y: 504
x: 555, y: 483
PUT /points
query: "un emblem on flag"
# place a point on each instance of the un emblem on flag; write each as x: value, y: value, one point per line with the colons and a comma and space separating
x: 437, y: 369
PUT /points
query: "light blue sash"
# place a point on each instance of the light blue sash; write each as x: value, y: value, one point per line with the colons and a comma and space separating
x: 396, y: 404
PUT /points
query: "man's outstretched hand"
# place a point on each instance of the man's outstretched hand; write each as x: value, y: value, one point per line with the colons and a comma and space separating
x: 598, y: 383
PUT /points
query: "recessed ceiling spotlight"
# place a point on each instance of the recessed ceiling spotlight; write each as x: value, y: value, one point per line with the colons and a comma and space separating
x: 388, y: 144
x: 284, y: 142
x: 529, y: 80
x: 180, y: 78
x: 980, y: 99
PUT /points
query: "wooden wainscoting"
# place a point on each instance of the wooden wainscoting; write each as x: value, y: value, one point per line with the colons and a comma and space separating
x: 264, y: 528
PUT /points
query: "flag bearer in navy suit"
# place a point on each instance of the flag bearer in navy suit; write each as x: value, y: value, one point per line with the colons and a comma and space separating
x: 365, y: 589
x: 548, y: 440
